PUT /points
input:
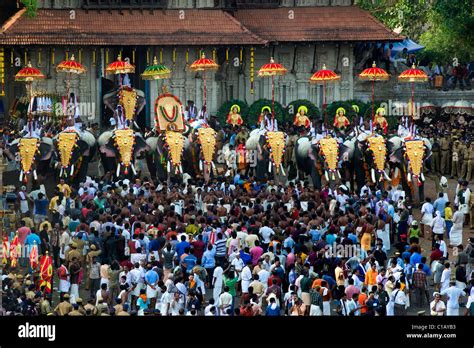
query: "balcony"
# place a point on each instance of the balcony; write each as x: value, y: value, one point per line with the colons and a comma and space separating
x: 124, y: 4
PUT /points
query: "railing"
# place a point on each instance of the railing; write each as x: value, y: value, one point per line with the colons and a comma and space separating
x: 236, y: 4
x: 124, y: 4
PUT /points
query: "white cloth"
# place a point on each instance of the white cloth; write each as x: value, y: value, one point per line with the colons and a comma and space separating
x: 445, y: 278
x: 385, y: 236
x: 64, y: 285
x: 326, y: 308
x: 150, y: 292
x: 455, y: 235
x: 427, y: 211
x: 315, y: 311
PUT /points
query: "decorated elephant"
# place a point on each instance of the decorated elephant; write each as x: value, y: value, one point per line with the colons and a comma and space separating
x: 119, y: 148
x: 131, y: 100
x: 269, y: 148
x: 317, y: 158
x: 165, y: 155
x: 73, y: 151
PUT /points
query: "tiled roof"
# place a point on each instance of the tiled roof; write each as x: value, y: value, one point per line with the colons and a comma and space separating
x: 307, y: 24
x: 198, y: 27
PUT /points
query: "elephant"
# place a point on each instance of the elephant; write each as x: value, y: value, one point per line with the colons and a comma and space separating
x: 119, y: 148
x: 40, y: 164
x: 407, y: 162
x: 132, y: 100
x: 166, y: 163
x: 269, y: 150
x: 73, y: 151
x: 317, y: 158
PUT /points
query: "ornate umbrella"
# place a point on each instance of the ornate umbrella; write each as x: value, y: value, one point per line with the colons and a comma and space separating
x: 156, y: 72
x: 323, y: 76
x: 70, y: 67
x: 203, y: 64
x: 272, y: 69
x: 413, y: 75
x: 120, y: 67
x: 374, y: 74
x: 29, y: 74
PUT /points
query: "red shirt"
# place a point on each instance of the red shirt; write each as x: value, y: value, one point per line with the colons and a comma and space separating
x: 198, y: 248
x: 270, y: 280
x: 436, y: 255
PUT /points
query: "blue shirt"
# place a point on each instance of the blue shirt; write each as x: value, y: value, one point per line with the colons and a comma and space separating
x: 439, y: 205
x: 180, y: 248
x: 208, y: 260
x: 330, y: 280
x: 330, y: 238
x: 190, y: 262
x: 289, y: 243
x: 315, y: 235
x: 352, y: 237
x: 245, y: 257
x: 151, y: 277
x: 32, y: 237
x: 41, y: 206
x: 269, y: 312
x: 154, y: 245
x: 415, y: 258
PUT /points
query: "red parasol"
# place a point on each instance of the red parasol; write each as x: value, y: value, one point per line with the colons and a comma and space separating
x: 324, y: 75
x: 374, y: 74
x: 413, y: 75
x: 120, y: 67
x: 203, y: 64
x: 71, y: 66
x: 272, y: 69
x: 29, y: 74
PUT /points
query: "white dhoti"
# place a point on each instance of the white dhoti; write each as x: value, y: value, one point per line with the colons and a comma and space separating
x: 136, y: 291
x: 455, y: 235
x: 104, y: 281
x: 452, y: 311
x: 315, y: 311
x: 150, y: 292
x: 245, y: 286
x: 216, y: 293
x: 74, y: 292
x: 64, y: 285
x: 427, y: 219
x: 390, y: 307
x: 326, y: 308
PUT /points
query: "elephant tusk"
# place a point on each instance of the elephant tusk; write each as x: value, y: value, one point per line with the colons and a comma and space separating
x: 372, y: 175
x: 269, y: 166
x: 21, y: 175
x: 180, y: 168
x: 200, y: 165
x: 133, y: 169
x: 409, y: 177
x: 282, y: 170
x: 348, y: 184
x: 72, y: 169
x: 386, y: 175
x: 326, y: 175
x: 339, y: 175
x: 35, y: 176
x: 333, y: 176
x: 118, y: 170
x: 60, y: 172
x: 395, y: 174
x: 422, y: 176
x: 168, y: 166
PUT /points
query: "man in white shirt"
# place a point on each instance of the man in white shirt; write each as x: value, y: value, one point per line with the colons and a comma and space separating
x: 263, y: 276
x: 266, y: 232
x: 445, y: 276
x: 437, y: 306
x: 217, y: 280
x: 246, y: 278
x: 225, y: 301
x: 453, y: 294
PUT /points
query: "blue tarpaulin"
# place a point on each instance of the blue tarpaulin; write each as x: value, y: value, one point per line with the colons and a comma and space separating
x: 409, y: 44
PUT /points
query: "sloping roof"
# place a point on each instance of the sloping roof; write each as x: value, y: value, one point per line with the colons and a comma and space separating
x: 199, y: 27
x: 312, y: 24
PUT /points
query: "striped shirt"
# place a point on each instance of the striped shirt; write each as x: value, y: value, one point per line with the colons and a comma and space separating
x: 221, y: 247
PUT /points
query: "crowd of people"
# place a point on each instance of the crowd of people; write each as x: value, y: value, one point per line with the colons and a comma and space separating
x: 238, y: 247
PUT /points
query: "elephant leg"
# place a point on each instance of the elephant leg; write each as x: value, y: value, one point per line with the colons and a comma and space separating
x: 316, y: 177
x: 151, y: 166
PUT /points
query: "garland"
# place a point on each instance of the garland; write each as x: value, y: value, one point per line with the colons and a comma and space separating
x: 167, y: 117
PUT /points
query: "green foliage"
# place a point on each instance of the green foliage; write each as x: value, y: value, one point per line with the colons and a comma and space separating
x: 31, y: 7
x: 292, y: 109
x: 444, y: 27
x: 251, y: 118
x: 225, y: 109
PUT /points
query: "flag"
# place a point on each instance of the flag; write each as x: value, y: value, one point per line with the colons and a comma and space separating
x: 5, y: 250
x: 15, y: 248
x: 46, y: 272
x: 34, y: 256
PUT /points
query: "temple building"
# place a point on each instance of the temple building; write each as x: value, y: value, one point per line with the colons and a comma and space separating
x: 241, y: 35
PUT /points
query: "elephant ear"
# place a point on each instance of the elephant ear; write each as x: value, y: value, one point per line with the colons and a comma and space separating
x: 11, y: 151
x: 141, y: 147
x: 45, y: 151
